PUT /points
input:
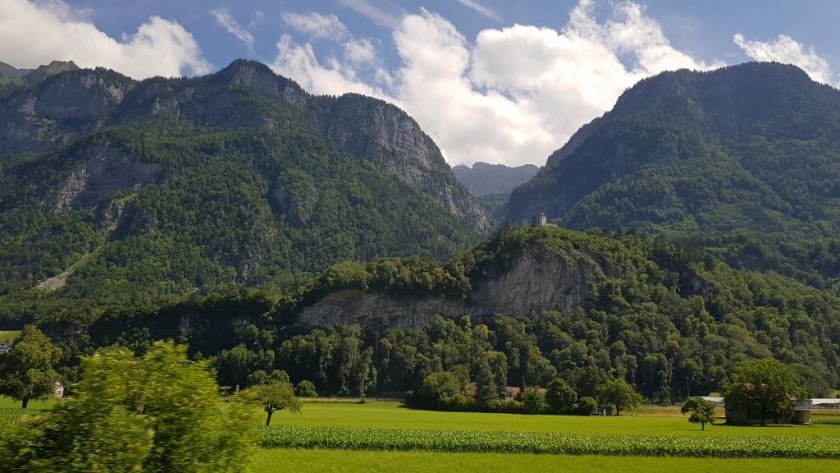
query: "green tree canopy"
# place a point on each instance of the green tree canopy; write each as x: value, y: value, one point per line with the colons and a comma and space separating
x: 702, y: 411
x: 157, y: 413
x: 619, y: 394
x: 26, y: 372
x: 274, y: 396
x: 561, y: 397
x: 764, y: 388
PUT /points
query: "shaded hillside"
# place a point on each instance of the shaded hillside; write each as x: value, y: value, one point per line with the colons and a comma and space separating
x: 586, y: 307
x: 113, y: 189
x: 484, y: 179
x: 749, y: 149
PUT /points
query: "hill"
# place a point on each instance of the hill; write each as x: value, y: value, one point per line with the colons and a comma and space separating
x: 743, y: 159
x: 113, y: 190
x: 536, y: 302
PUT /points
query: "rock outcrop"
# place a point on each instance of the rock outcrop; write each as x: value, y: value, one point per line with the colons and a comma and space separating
x: 539, y: 279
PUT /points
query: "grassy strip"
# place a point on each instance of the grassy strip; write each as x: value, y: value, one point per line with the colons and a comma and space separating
x: 345, y: 461
x: 454, y: 441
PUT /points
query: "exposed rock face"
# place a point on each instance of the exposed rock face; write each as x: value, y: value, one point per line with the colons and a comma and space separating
x: 66, y: 103
x: 378, y: 310
x: 539, y: 280
x: 59, y: 108
x: 375, y: 130
x: 101, y: 173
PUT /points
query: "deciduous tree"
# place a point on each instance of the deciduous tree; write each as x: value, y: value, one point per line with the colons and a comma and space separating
x: 157, y: 413
x: 619, y: 394
x: 26, y: 372
x: 702, y: 411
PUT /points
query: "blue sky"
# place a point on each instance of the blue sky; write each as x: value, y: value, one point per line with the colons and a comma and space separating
x: 489, y: 80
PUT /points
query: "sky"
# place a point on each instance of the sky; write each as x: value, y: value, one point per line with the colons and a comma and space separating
x: 499, y: 81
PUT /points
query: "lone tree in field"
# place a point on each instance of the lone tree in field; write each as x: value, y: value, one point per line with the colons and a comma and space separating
x: 161, y: 412
x: 764, y: 388
x: 619, y: 394
x: 26, y: 372
x: 274, y: 396
x: 702, y: 411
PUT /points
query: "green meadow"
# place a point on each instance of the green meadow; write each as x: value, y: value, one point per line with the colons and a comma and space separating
x: 345, y: 461
x: 8, y: 336
x: 376, y: 417
x: 646, y: 422
x: 367, y: 423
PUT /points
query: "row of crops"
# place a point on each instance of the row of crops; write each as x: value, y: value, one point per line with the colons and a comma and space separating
x: 547, y: 443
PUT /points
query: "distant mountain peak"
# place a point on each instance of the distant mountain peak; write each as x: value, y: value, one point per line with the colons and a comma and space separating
x: 484, y: 179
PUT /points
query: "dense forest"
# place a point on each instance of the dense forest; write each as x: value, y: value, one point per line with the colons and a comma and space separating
x: 652, y: 327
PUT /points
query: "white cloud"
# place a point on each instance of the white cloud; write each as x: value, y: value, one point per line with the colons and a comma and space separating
x: 484, y: 10
x: 317, y: 25
x: 227, y: 22
x: 360, y: 51
x: 299, y: 62
x: 35, y: 33
x: 785, y: 50
x: 513, y: 95
x: 372, y: 12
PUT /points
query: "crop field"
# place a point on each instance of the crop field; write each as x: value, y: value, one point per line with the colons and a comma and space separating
x: 377, y: 436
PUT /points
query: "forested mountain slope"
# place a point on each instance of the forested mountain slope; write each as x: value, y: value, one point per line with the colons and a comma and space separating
x: 745, y: 159
x: 112, y: 189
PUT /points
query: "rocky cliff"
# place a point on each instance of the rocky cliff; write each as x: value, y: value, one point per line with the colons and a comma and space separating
x: 522, y: 272
x: 62, y: 103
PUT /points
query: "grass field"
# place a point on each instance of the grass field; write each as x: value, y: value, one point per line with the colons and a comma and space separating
x: 656, y: 422
x: 9, y: 336
x: 663, y: 422
x: 343, y: 461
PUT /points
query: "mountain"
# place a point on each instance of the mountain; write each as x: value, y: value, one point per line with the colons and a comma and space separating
x: 484, y: 179
x: 114, y: 189
x: 744, y: 158
x: 7, y: 70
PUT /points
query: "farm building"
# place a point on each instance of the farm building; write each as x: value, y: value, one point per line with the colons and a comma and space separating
x: 740, y: 417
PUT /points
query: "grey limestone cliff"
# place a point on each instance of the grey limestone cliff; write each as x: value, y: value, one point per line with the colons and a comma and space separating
x: 538, y: 280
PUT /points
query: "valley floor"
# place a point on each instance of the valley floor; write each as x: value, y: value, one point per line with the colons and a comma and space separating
x: 646, y: 422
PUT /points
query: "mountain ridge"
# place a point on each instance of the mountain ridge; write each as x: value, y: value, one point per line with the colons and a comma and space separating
x: 256, y: 180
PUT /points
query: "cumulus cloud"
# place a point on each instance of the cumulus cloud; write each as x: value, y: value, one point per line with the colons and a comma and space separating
x: 35, y: 33
x: 317, y: 25
x: 226, y: 21
x: 515, y: 94
x: 484, y: 10
x: 786, y: 50
x: 333, y: 77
